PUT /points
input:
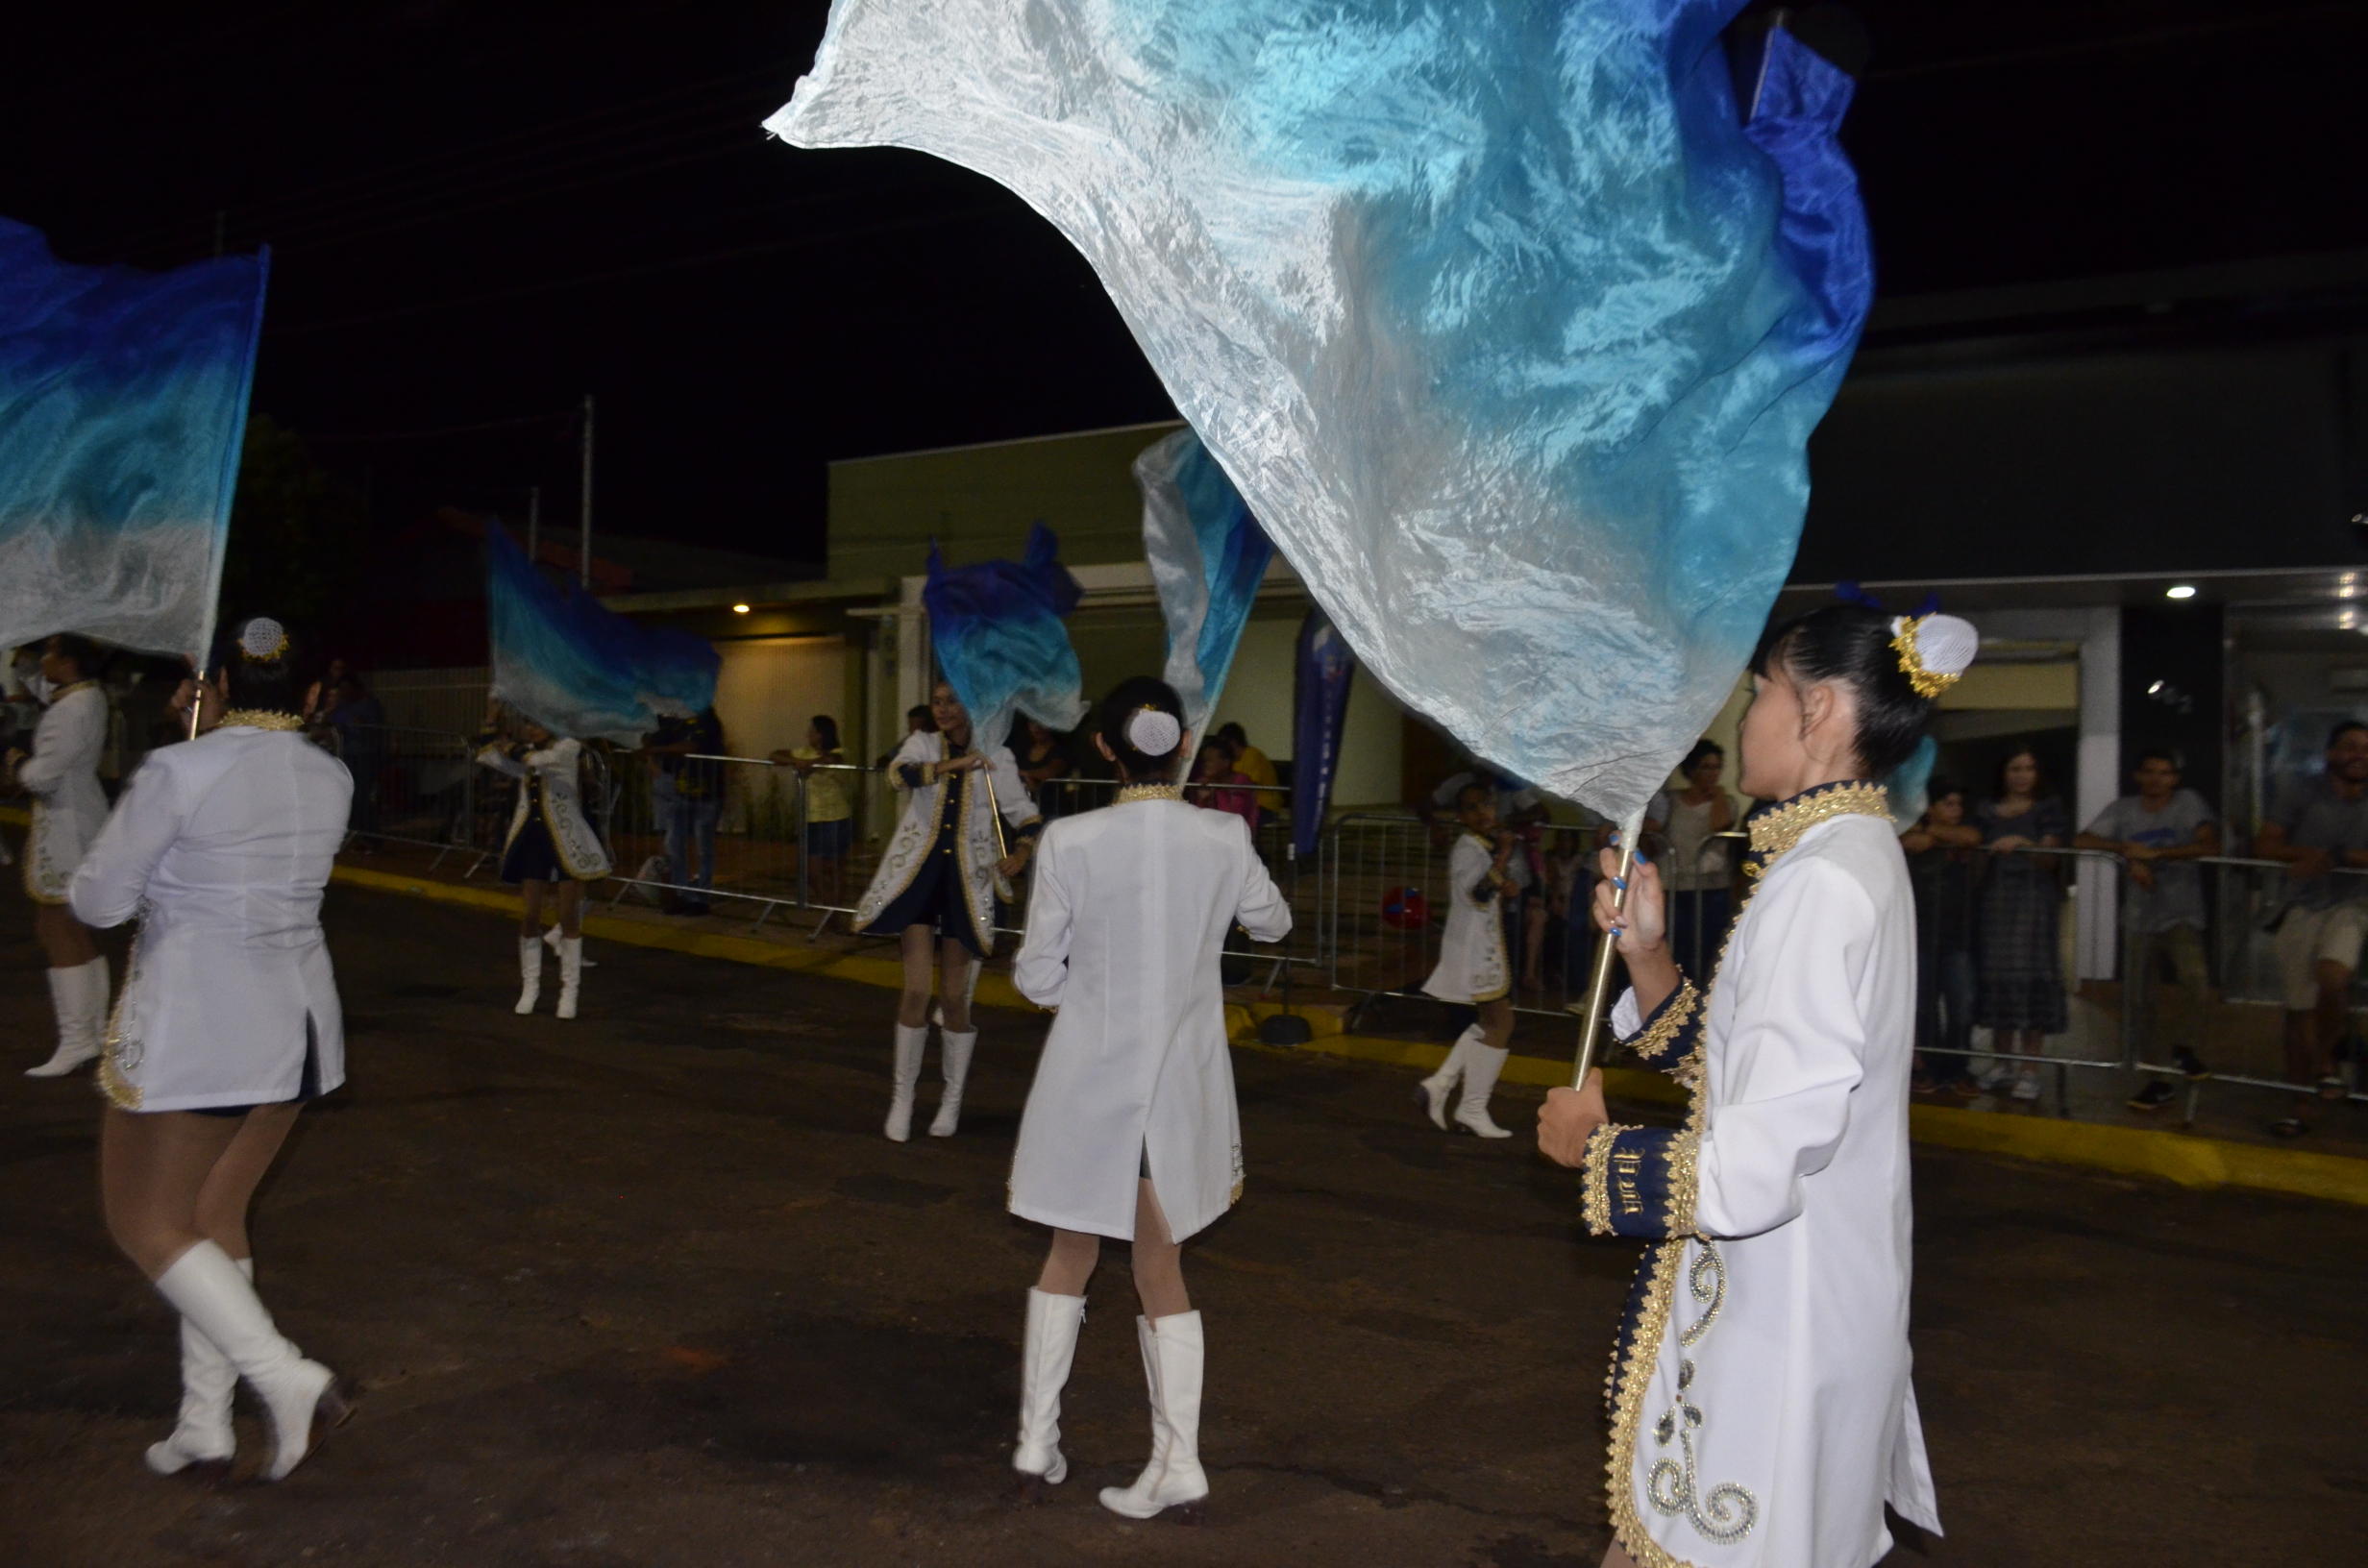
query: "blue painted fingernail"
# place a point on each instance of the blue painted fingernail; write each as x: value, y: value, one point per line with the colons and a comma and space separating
x: 1620, y: 882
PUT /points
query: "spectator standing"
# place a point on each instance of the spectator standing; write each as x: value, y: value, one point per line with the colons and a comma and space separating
x: 2154, y: 831
x: 1940, y: 873
x: 1042, y: 757
x: 830, y: 811
x: 1255, y: 765
x: 2319, y: 825
x: 692, y: 799
x: 1702, y: 877
x: 2019, y: 985
x: 358, y: 721
x: 1218, y: 785
x: 917, y: 720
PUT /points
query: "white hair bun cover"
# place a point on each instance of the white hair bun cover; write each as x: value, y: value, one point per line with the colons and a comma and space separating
x: 1947, y: 644
x: 1153, y: 733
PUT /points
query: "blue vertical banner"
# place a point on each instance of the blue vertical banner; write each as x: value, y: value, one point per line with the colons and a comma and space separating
x: 123, y: 405
x: 1207, y: 556
x: 577, y: 668
x: 1000, y: 638
x: 1319, y: 718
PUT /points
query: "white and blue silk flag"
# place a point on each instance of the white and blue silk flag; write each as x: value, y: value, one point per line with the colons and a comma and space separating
x: 1207, y: 556
x: 123, y: 403
x: 1000, y: 636
x: 1506, y: 319
x: 577, y: 668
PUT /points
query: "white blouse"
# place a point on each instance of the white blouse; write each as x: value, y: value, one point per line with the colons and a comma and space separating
x: 976, y: 850
x: 221, y: 848
x: 1128, y: 918
x: 554, y: 768
x: 62, y: 777
x: 1472, y: 964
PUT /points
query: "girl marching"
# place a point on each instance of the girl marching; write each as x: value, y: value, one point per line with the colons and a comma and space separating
x: 61, y: 775
x: 551, y: 844
x: 1473, y: 969
x: 1759, y: 1402
x: 935, y: 891
x: 1131, y: 1130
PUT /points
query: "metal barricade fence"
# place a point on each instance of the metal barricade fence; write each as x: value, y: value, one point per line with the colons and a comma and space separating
x: 416, y: 787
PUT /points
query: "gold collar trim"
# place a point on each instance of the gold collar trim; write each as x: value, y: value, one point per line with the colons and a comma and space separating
x: 1150, y: 791
x: 260, y: 718
x: 1775, y: 832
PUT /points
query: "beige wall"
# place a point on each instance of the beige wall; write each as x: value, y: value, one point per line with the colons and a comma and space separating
x: 769, y: 687
x: 1259, y: 695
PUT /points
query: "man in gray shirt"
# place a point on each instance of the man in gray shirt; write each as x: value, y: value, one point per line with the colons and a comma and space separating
x: 2158, y: 832
x: 2320, y: 825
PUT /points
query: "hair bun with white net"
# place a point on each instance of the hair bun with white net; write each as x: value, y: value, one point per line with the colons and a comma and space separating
x: 1933, y: 650
x: 262, y: 638
x: 1153, y: 733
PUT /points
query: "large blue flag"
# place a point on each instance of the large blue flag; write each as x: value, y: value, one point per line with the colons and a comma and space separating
x: 578, y: 669
x: 1508, y: 325
x: 1207, y: 555
x: 1000, y: 637
x: 123, y: 401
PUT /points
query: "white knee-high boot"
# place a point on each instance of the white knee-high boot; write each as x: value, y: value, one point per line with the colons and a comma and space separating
x: 78, y: 998
x: 955, y: 1059
x: 1480, y: 1070
x: 529, y: 972
x: 1432, y: 1092
x: 301, y: 1396
x: 1044, y: 1355
x: 203, y: 1442
x: 571, y: 974
x: 911, y: 1042
x: 1172, y: 1365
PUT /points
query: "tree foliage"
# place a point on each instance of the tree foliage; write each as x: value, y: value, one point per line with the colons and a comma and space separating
x: 298, y: 533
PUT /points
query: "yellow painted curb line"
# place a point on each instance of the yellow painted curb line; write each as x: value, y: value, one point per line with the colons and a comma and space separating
x: 2175, y: 1157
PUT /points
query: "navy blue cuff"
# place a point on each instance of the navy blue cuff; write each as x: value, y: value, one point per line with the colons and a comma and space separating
x: 1640, y: 1182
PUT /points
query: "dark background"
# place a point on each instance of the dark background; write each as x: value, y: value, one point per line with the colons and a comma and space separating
x: 479, y: 212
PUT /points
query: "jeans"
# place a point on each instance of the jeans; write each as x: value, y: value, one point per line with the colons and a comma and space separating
x: 2183, y: 945
x: 686, y: 821
x: 1944, y: 991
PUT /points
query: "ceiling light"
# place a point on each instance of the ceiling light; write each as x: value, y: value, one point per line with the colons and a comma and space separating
x: 2179, y: 591
x: 743, y: 609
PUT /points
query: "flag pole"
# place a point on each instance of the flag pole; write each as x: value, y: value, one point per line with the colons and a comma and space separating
x: 1598, y: 991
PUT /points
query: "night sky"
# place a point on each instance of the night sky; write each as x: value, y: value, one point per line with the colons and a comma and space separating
x: 480, y: 213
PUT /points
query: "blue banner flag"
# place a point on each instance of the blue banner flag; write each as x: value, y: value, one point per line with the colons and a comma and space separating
x: 997, y: 630
x: 1319, y: 718
x: 578, y: 669
x: 123, y: 403
x: 1208, y: 555
x: 1508, y: 326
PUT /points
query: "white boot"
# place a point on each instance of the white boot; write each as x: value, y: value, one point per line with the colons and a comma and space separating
x: 1432, y: 1092
x: 78, y: 998
x: 301, y: 1396
x: 530, y: 973
x: 955, y: 1059
x: 1172, y: 1365
x: 552, y: 940
x: 910, y: 1044
x: 1480, y: 1070
x: 1045, y: 1354
x: 201, y: 1444
x: 571, y: 974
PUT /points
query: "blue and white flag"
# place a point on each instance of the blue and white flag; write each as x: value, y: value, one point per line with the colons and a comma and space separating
x: 577, y: 668
x: 1326, y: 674
x: 1208, y: 555
x: 123, y: 403
x: 1509, y: 329
x: 1001, y: 642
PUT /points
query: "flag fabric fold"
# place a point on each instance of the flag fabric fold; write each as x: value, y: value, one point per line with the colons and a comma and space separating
x: 579, y: 668
x: 1508, y: 328
x: 998, y: 633
x: 123, y: 406
x: 1207, y: 556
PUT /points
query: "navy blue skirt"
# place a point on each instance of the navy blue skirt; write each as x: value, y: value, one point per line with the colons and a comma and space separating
x: 932, y: 898
x: 531, y: 856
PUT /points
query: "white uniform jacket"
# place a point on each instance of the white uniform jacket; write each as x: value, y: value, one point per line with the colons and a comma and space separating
x: 220, y: 849
x: 62, y: 777
x: 1128, y: 916
x: 555, y: 770
x: 1760, y: 1407
x: 1473, y: 966
x: 924, y: 806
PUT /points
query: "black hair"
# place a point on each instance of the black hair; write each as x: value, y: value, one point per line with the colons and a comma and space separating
x: 81, y: 649
x: 2341, y: 730
x: 266, y: 684
x: 1940, y: 788
x: 921, y: 711
x: 1475, y: 787
x: 1705, y: 747
x: 1128, y: 697
x: 1233, y: 732
x: 2163, y: 753
x: 2039, y: 772
x: 828, y: 730
x: 1852, y: 643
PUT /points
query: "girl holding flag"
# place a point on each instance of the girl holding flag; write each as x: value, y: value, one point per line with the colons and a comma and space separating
x: 551, y: 846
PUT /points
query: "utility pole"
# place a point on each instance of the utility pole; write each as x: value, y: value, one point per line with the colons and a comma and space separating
x: 534, y: 526
x: 585, y: 564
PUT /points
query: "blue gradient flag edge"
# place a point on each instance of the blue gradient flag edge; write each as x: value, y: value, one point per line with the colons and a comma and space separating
x: 1207, y: 556
x: 1000, y: 637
